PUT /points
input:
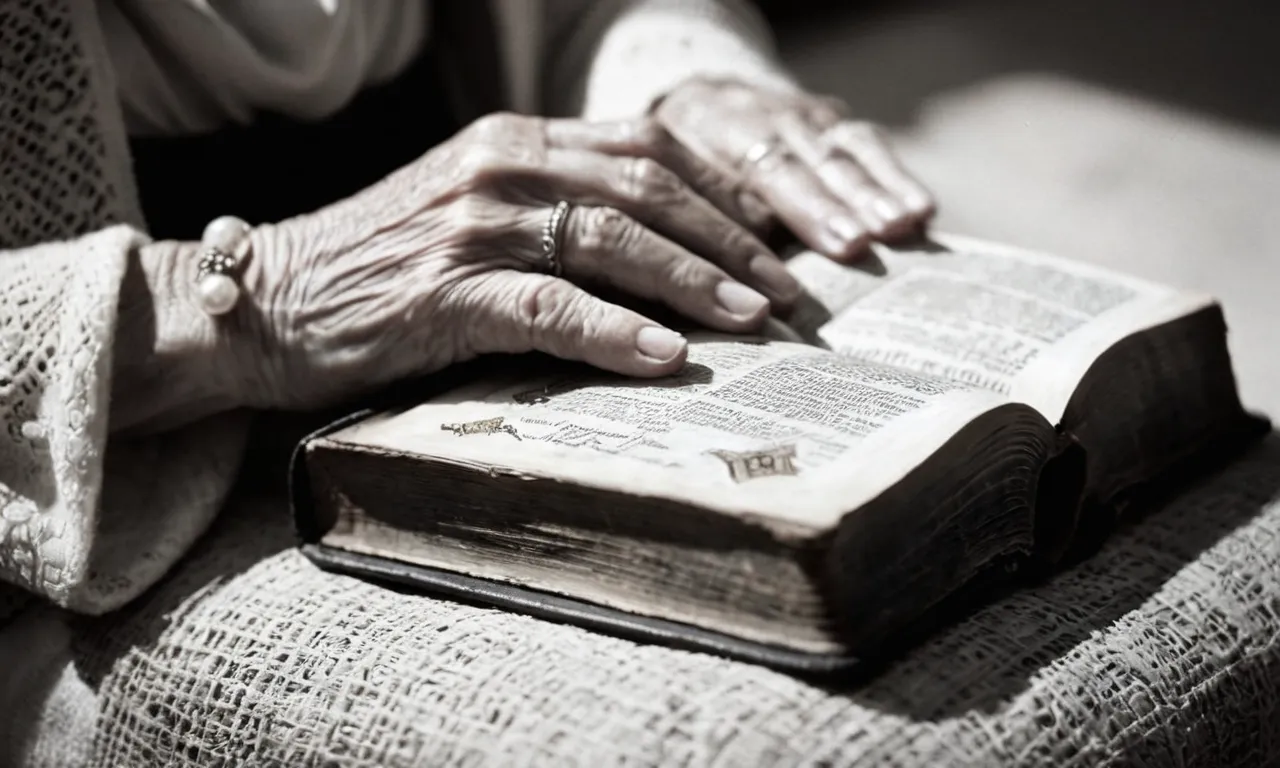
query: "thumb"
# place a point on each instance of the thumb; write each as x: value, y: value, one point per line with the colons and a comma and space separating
x: 517, y: 312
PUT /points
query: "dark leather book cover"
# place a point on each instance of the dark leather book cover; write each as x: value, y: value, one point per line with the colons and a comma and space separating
x: 311, y: 527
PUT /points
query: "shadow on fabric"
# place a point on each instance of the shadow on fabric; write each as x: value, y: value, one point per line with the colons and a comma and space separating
x: 979, y: 663
x: 988, y: 660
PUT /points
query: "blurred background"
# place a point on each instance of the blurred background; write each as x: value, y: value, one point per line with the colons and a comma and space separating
x: 1140, y: 135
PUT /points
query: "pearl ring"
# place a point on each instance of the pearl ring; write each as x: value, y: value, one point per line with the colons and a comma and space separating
x: 225, y: 247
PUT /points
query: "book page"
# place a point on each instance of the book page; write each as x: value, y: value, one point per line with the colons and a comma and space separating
x: 777, y: 429
x: 1022, y: 324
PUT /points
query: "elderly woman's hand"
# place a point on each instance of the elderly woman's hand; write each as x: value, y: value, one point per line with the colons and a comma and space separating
x: 834, y: 182
x: 443, y: 261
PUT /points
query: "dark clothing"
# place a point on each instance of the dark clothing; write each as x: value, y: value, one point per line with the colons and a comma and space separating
x: 280, y: 167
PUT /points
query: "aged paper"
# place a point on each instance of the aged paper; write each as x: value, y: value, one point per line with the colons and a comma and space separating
x: 746, y: 426
x: 1022, y: 324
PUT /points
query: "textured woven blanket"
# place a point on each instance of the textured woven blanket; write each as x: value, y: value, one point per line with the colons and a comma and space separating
x: 1163, y: 650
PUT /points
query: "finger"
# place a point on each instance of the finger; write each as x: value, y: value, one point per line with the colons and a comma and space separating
x: 868, y: 145
x: 649, y: 139
x: 516, y: 312
x: 876, y: 209
x: 824, y: 111
x: 751, y: 151
x: 804, y: 203
x: 604, y: 245
x: 657, y: 198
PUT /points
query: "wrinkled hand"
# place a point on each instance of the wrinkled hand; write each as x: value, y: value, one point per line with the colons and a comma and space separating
x: 442, y: 261
x: 834, y: 182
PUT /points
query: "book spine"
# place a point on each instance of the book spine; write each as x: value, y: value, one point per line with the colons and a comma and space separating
x: 1060, y: 497
x: 308, y: 519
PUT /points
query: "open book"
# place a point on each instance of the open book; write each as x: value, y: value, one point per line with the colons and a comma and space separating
x: 924, y: 419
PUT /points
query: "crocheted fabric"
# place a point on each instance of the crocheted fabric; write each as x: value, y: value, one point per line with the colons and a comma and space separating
x: 64, y: 166
x: 62, y: 174
x: 53, y: 404
x: 1164, y: 649
x: 86, y: 532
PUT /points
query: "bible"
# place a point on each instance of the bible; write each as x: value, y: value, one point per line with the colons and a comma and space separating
x: 933, y: 419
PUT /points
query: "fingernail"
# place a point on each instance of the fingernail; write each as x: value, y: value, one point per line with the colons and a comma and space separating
x: 738, y: 299
x: 887, y: 210
x: 774, y: 276
x: 661, y: 344
x: 846, y: 233
x: 918, y: 203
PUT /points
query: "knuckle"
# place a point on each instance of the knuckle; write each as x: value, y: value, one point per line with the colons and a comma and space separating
x: 740, y: 246
x: 608, y: 229
x: 540, y: 304
x: 493, y: 126
x: 480, y: 166
x: 471, y: 216
x: 689, y: 273
x: 549, y: 310
x: 758, y: 213
x: 650, y: 134
x: 649, y: 181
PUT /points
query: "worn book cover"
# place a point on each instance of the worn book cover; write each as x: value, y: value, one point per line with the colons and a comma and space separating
x: 934, y: 421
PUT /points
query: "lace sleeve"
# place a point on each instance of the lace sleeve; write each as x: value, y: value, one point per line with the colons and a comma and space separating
x: 85, y: 529
x: 84, y: 522
x: 57, y: 308
x: 612, y: 59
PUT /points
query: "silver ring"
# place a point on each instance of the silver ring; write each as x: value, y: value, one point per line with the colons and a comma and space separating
x: 760, y: 150
x: 551, y: 233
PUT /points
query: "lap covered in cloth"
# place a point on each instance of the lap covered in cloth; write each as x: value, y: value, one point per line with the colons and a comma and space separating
x: 1163, y: 649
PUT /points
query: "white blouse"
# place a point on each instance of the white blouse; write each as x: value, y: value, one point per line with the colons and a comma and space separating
x: 189, y: 66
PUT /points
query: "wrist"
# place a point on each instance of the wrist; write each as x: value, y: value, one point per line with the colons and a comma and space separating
x: 173, y: 363
x: 257, y: 332
x: 270, y: 330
